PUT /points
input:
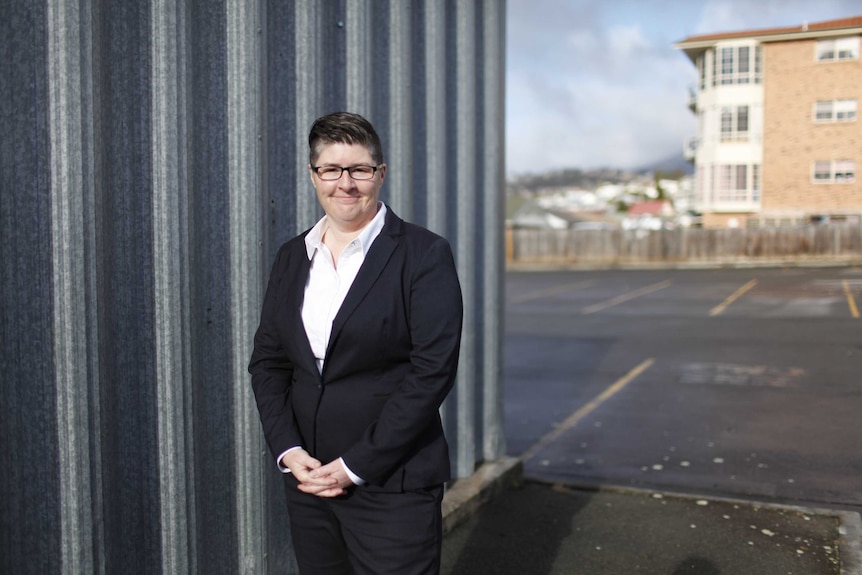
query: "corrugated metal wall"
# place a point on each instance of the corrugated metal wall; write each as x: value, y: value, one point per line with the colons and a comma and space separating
x: 152, y: 159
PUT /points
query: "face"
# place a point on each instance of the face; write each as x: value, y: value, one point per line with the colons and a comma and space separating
x: 350, y: 204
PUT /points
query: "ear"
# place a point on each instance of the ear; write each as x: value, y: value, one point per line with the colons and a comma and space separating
x: 382, y: 171
x: 311, y: 176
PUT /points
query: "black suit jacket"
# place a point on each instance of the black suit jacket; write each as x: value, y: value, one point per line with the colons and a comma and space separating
x: 391, y: 360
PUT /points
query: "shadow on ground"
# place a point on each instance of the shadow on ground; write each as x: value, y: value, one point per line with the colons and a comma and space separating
x: 492, y: 543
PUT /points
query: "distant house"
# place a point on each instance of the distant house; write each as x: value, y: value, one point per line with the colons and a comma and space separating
x: 649, y: 215
x: 778, y: 138
x: 533, y: 215
x: 651, y: 208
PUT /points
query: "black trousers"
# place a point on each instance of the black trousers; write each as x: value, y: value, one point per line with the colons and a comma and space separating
x: 366, y: 532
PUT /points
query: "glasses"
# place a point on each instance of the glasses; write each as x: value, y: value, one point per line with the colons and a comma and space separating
x: 332, y: 173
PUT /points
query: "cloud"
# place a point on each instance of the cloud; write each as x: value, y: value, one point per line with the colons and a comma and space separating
x: 599, y: 84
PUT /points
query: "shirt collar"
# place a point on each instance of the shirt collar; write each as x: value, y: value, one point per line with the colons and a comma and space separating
x: 314, y: 238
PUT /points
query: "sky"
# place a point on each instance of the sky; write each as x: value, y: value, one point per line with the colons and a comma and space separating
x: 598, y: 83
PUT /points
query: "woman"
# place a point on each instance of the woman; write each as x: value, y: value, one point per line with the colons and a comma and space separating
x: 356, y: 350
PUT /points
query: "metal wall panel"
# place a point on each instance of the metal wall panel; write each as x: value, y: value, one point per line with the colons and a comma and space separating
x: 152, y: 160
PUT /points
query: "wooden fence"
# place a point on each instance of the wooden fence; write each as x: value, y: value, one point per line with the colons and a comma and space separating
x: 684, y: 245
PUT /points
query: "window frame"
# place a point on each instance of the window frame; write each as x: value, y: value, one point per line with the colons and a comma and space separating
x: 735, y: 183
x: 833, y: 171
x: 737, y: 64
x: 837, y: 49
x: 730, y: 120
x: 837, y: 110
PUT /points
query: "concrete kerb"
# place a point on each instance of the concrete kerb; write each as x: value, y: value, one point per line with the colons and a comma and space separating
x: 850, y: 538
x: 465, y: 496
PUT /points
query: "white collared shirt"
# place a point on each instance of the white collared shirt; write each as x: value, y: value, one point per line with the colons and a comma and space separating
x: 328, y: 284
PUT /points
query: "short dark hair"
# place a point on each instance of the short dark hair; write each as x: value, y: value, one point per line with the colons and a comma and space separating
x: 343, y: 128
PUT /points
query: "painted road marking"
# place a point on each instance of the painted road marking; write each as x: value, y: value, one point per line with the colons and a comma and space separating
x: 584, y: 411
x: 538, y: 294
x: 626, y: 297
x: 736, y: 295
x: 851, y: 301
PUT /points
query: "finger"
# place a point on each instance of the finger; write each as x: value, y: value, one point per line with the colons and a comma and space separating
x: 320, y: 473
x: 333, y: 492
x: 320, y: 490
x: 311, y: 479
x: 299, y: 459
x: 311, y: 462
x: 333, y: 468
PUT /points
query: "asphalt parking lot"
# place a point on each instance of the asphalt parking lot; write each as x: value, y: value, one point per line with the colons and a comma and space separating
x: 730, y: 387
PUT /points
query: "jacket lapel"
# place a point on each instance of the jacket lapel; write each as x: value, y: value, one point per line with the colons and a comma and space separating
x: 371, y: 269
x: 297, y: 277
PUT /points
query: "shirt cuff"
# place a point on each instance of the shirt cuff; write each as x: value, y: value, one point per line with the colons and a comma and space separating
x: 353, y: 477
x: 281, y: 467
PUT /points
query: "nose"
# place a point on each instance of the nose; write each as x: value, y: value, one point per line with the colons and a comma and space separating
x: 349, y: 181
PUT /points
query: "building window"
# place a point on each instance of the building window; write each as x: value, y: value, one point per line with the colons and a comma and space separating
x: 836, y: 171
x: 736, y: 65
x: 838, y: 49
x: 726, y: 66
x: 758, y: 59
x: 732, y: 183
x: 744, y: 66
x: 740, y: 182
x: 822, y: 172
x: 742, y: 120
x: 734, y: 124
x: 714, y: 67
x: 845, y: 170
x: 835, y: 110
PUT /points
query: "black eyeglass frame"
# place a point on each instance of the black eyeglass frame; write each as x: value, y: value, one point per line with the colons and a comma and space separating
x: 349, y: 170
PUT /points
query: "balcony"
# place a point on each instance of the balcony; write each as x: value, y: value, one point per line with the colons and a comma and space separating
x: 690, y: 147
x: 692, y: 99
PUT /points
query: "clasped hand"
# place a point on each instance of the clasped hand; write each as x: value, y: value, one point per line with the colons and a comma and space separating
x: 330, y: 480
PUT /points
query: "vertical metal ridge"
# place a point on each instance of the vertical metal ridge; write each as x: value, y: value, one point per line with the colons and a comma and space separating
x: 70, y: 354
x: 434, y: 120
x: 466, y: 224
x: 435, y: 114
x: 493, y: 179
x: 92, y: 269
x: 172, y: 290
x: 357, y: 25
x: 244, y: 35
x: 400, y: 147
x: 309, y: 95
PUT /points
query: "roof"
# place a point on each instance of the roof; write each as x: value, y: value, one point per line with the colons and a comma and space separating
x: 651, y: 207
x: 840, y: 24
x: 805, y: 30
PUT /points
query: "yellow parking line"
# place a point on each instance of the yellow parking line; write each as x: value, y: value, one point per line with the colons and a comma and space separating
x: 854, y: 311
x: 626, y: 297
x: 584, y: 411
x: 537, y: 294
x: 736, y: 295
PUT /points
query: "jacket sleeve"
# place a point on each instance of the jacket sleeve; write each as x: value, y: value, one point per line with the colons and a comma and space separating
x: 435, y: 315
x: 272, y: 371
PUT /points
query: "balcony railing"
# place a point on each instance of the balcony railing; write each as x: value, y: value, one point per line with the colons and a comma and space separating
x: 690, y: 148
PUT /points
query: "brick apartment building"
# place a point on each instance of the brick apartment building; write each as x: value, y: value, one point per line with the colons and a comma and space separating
x: 778, y: 137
